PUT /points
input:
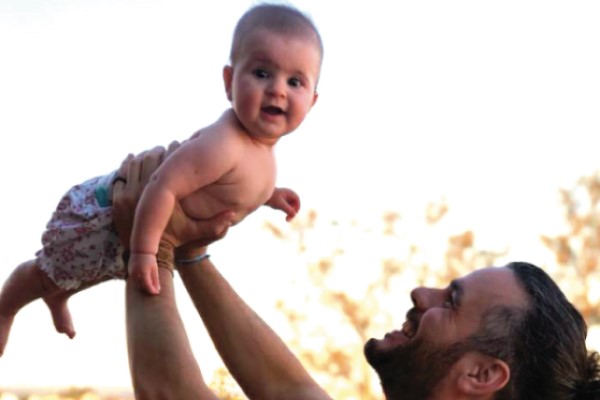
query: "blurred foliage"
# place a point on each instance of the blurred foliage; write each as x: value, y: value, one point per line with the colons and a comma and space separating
x: 224, y: 386
x: 72, y: 393
x: 577, y: 250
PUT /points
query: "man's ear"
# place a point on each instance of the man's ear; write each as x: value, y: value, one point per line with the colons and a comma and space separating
x: 481, y: 375
x: 227, y: 80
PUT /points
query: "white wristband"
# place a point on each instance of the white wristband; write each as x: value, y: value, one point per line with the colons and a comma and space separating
x: 194, y: 260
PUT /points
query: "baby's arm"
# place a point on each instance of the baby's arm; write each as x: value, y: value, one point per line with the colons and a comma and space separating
x: 285, y: 200
x: 194, y: 165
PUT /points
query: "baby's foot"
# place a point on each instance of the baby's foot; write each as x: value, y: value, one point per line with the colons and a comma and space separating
x: 5, y: 325
x: 61, y: 316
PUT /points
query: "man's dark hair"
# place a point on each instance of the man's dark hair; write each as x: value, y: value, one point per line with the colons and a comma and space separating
x: 544, y: 344
x: 279, y: 18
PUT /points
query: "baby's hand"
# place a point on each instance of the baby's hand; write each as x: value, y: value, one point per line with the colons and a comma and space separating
x: 285, y: 200
x: 143, y: 269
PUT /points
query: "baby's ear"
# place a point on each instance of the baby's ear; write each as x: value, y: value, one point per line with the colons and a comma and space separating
x: 227, y: 80
x: 315, y: 97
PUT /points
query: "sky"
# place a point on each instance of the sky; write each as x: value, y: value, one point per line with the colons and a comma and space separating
x: 492, y: 106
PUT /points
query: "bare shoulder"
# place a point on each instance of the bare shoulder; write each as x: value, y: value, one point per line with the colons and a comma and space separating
x: 216, y: 150
x: 225, y: 134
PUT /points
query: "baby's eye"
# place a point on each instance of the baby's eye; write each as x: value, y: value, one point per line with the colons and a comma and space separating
x: 261, y: 73
x: 294, y: 82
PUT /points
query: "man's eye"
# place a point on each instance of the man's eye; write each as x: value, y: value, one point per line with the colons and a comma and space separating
x: 294, y: 82
x: 449, y: 303
x: 261, y: 73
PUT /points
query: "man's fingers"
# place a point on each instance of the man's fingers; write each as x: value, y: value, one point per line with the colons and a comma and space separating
x: 215, y: 228
x: 134, y: 172
x: 118, y: 185
x: 117, y: 189
x: 124, y: 165
x: 174, y: 145
x: 150, y: 162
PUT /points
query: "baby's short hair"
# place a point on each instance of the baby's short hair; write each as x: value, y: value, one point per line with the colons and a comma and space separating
x: 279, y: 18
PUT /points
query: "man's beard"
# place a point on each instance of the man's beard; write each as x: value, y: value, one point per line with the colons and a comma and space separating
x: 412, y: 371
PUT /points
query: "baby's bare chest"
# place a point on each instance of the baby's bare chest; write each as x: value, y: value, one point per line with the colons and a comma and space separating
x: 243, y: 190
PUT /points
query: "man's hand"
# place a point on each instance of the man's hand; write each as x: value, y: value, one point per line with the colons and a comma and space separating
x: 132, y: 177
x: 135, y: 173
x: 183, y: 231
x: 285, y: 200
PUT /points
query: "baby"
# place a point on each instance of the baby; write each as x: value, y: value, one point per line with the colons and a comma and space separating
x: 271, y: 81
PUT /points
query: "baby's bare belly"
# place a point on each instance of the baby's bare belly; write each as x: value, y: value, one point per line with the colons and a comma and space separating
x: 204, y: 207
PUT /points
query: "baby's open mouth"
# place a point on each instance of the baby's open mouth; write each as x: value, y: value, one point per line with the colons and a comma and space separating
x: 272, y: 110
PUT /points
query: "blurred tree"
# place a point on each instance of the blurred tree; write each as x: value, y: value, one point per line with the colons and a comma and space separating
x: 355, y: 279
x: 224, y: 386
x: 577, y: 251
x: 344, y: 297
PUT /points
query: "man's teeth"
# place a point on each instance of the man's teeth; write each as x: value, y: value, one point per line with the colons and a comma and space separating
x: 408, y: 330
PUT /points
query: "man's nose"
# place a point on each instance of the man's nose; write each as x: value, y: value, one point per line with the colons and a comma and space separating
x: 424, y: 298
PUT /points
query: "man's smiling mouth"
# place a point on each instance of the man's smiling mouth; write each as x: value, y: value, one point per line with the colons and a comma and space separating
x: 408, y: 329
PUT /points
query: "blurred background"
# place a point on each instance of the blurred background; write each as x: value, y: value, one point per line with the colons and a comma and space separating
x: 447, y: 136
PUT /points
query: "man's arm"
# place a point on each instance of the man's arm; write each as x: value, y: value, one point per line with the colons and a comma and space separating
x: 255, y: 355
x: 161, y: 361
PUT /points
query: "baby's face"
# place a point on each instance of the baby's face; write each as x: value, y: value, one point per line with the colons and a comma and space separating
x: 272, y: 85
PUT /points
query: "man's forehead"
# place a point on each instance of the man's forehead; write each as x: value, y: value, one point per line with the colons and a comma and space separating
x: 492, y: 286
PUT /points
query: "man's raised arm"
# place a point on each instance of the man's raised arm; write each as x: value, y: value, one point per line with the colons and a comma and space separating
x: 255, y: 355
x: 161, y: 361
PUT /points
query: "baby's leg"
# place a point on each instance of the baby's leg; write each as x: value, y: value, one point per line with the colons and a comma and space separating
x: 57, y: 303
x: 61, y: 316
x: 26, y: 283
